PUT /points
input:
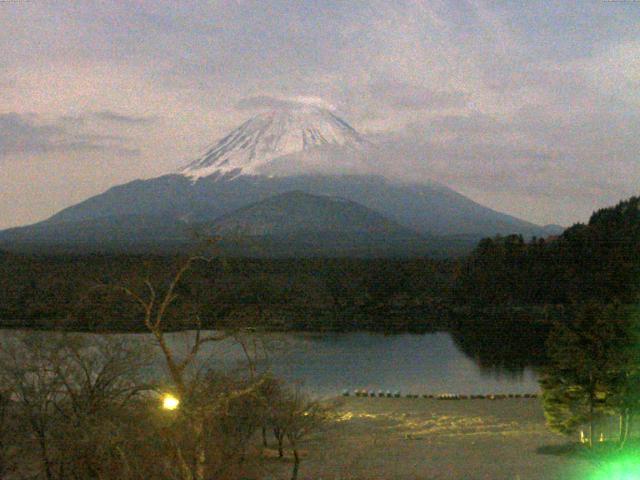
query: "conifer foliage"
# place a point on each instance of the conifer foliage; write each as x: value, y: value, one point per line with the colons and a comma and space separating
x: 593, y: 371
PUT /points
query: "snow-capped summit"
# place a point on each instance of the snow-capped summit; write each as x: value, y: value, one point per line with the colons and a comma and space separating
x: 278, y: 175
x: 250, y: 148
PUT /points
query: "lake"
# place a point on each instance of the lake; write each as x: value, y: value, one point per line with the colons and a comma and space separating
x: 331, y: 362
x: 328, y: 363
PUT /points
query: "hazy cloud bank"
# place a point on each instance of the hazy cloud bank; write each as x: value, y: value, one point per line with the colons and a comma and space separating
x: 27, y: 134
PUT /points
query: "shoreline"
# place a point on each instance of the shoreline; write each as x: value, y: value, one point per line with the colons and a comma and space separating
x: 406, y: 439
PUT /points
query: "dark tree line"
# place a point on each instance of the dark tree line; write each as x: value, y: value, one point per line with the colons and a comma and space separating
x: 329, y: 294
x: 597, y: 262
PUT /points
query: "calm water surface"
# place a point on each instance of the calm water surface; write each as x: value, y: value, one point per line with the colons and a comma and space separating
x: 330, y: 363
x: 326, y: 364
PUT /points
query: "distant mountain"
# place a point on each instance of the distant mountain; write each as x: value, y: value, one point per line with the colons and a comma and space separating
x: 553, y: 229
x: 289, y: 224
x: 113, y: 233
x: 307, y: 150
x: 294, y: 212
x: 300, y: 224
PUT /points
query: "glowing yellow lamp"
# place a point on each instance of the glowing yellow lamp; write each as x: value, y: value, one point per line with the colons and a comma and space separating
x: 170, y: 402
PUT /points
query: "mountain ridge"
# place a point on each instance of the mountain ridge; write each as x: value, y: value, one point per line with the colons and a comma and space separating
x: 448, y: 211
x: 308, y: 150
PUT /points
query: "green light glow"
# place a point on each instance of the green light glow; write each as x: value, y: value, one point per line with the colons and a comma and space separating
x: 620, y: 467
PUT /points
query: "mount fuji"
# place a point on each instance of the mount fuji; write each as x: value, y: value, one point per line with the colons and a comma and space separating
x: 304, y: 149
x: 253, y: 147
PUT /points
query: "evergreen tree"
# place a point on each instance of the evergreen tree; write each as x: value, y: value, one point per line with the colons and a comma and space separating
x: 590, y: 368
x: 625, y: 378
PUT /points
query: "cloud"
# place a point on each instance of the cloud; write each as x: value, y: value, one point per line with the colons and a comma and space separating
x: 563, y: 165
x: 461, y: 125
x: 73, y: 121
x: 425, y: 99
x: 275, y: 102
x: 110, y: 116
x: 28, y: 134
x: 615, y: 71
x: 406, y: 96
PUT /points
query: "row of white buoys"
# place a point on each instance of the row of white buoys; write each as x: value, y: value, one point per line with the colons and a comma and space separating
x: 440, y: 396
x: 373, y: 393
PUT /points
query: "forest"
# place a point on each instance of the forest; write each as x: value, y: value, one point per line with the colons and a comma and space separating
x: 597, y: 262
x: 538, y: 279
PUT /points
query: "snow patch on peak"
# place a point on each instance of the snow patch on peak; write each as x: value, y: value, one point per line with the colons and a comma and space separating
x: 253, y: 145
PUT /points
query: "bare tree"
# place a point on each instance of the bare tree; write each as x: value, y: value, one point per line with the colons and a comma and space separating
x: 215, y: 421
x: 295, y: 417
x: 257, y: 349
x: 74, y: 395
x: 101, y: 382
x: 155, y: 303
x: 27, y: 370
x: 5, y: 431
x: 85, y: 401
x: 198, y: 408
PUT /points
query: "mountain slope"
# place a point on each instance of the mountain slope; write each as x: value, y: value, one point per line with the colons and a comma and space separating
x: 289, y: 224
x: 102, y: 233
x: 430, y: 209
x: 306, y: 149
x: 293, y: 212
x: 299, y: 224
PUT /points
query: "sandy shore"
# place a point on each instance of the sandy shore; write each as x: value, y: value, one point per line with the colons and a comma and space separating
x: 403, y: 438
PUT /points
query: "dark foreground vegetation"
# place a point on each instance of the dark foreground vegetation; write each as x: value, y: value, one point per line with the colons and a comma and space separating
x: 598, y: 262
x: 94, y: 407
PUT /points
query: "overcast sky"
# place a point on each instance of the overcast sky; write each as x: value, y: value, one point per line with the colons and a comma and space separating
x: 529, y: 107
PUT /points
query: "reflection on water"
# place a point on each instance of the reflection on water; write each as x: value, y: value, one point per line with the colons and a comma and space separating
x: 429, y: 363
x: 502, y: 345
x: 328, y: 363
